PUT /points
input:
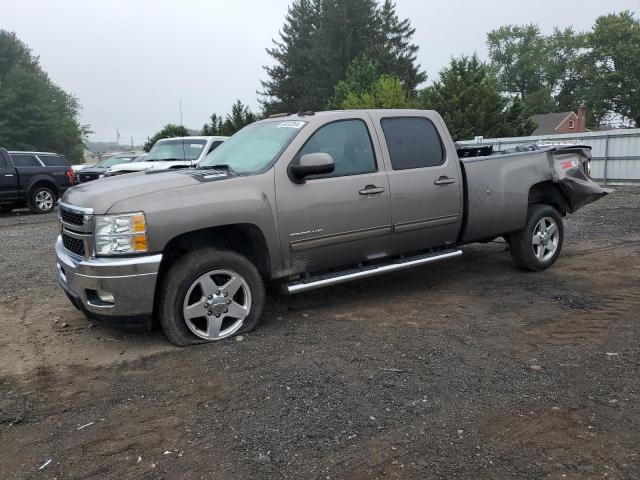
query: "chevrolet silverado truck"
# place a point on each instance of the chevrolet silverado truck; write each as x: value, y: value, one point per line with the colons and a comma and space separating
x: 34, y: 179
x: 305, y: 201
x: 170, y: 154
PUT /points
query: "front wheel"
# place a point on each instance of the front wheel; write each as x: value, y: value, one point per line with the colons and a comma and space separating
x: 210, y: 295
x: 42, y: 200
x: 537, y: 246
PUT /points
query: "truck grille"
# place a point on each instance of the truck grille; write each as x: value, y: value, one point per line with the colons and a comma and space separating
x: 74, y: 245
x: 71, y: 218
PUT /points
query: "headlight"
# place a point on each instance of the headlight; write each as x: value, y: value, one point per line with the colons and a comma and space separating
x: 101, y: 175
x: 121, y: 234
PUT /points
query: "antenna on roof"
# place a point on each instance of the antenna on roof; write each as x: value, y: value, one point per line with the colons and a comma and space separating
x: 184, y: 155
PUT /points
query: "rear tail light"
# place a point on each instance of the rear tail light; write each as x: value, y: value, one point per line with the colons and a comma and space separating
x: 70, y: 176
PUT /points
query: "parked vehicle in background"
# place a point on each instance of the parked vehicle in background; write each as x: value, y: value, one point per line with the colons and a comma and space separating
x: 94, y: 172
x: 34, y: 179
x: 171, y: 153
x: 306, y: 200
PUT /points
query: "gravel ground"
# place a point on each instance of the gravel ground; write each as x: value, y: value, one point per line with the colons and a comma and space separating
x: 466, y: 369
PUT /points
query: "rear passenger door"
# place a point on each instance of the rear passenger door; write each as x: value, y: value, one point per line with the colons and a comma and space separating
x: 424, y: 179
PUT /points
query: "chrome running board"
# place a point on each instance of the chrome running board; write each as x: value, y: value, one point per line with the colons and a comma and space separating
x: 364, y: 272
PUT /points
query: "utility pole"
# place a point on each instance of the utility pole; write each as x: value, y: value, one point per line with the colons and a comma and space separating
x: 131, y: 143
x: 181, y: 113
x: 117, y: 138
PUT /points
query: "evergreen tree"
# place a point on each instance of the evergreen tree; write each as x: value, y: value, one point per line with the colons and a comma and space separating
x: 469, y: 98
x: 170, y: 130
x: 321, y: 38
x: 239, y: 117
x: 214, y: 128
x: 291, y: 79
x: 35, y: 114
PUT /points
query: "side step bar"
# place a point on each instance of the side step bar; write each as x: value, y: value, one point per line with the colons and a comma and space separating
x: 357, y: 273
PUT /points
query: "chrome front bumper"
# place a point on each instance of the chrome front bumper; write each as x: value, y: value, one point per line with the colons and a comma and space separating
x: 130, y: 281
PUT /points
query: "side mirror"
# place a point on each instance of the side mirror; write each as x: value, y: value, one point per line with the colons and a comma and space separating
x: 311, y: 164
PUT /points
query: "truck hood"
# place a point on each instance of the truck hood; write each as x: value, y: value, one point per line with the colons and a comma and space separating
x: 101, y: 194
x: 150, y: 165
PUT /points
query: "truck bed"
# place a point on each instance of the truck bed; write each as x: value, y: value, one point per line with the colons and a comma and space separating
x: 499, y: 186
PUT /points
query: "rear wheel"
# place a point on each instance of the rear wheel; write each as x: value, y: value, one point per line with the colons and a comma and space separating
x: 210, y: 295
x: 537, y: 246
x: 42, y: 200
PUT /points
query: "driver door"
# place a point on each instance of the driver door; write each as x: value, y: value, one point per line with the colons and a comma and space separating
x: 341, y: 218
x: 8, y: 180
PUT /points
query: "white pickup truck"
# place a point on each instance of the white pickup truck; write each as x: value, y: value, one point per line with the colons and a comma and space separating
x: 171, y: 153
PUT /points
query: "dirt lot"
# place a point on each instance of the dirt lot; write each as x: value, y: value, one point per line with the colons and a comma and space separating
x: 467, y: 369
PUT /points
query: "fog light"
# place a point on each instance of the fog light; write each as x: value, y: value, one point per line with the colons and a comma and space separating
x: 106, y: 297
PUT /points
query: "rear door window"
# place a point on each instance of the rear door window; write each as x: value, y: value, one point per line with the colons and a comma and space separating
x: 413, y: 142
x: 25, y: 160
x: 54, y: 160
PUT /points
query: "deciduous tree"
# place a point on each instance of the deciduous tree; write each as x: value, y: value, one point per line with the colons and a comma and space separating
x: 170, y: 130
x: 612, y: 66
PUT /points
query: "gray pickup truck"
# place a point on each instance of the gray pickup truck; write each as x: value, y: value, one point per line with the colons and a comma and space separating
x: 305, y: 201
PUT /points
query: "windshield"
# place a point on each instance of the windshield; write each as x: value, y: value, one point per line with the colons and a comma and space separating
x: 179, y: 149
x: 110, y: 162
x: 254, y: 147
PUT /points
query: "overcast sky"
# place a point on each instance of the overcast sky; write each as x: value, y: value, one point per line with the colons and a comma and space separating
x: 130, y: 62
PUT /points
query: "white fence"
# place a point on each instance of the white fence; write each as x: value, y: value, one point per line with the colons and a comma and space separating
x: 615, y: 153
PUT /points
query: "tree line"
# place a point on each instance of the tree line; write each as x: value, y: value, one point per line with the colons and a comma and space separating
x: 360, y: 54
x: 35, y: 114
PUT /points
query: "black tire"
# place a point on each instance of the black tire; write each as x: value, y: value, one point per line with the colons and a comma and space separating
x: 521, y: 244
x: 38, y: 207
x: 185, y: 272
x: 6, y: 208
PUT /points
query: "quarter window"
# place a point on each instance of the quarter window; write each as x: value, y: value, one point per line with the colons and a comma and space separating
x: 413, y: 142
x: 348, y: 143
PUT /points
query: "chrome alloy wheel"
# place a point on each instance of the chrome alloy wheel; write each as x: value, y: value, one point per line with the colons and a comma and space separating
x: 216, y: 304
x: 44, y: 200
x: 545, y: 239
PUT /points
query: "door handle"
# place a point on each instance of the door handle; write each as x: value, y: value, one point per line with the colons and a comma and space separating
x: 371, y: 190
x: 444, y: 181
x: 8, y: 174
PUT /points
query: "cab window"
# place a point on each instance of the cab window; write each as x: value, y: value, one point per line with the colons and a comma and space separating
x: 413, y: 142
x: 349, y: 144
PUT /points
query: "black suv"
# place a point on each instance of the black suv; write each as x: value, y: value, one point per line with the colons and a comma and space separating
x: 34, y: 179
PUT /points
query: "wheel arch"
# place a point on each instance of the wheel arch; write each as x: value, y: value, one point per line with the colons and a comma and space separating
x: 244, y: 238
x: 42, y: 182
x: 549, y: 193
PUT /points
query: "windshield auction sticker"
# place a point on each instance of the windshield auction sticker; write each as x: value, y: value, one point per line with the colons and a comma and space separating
x: 291, y: 124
